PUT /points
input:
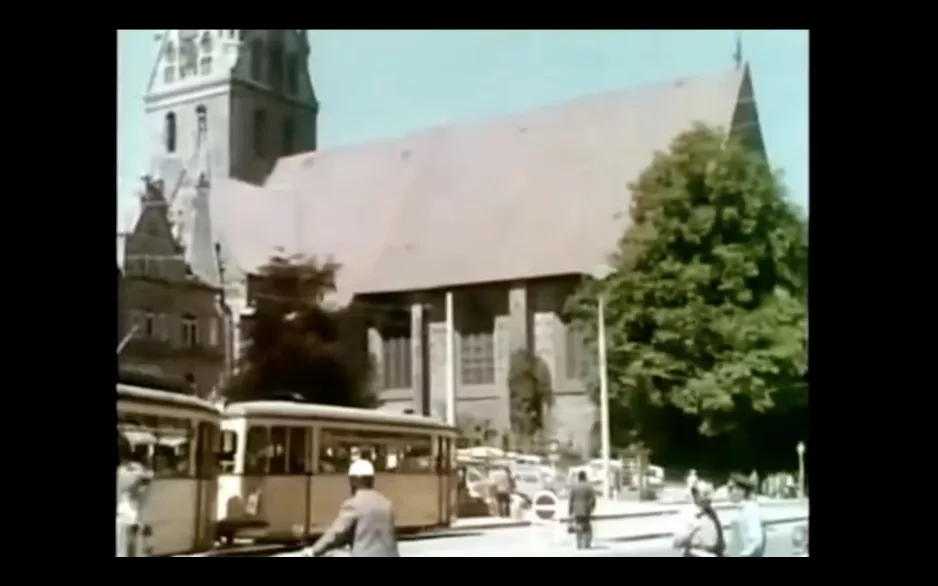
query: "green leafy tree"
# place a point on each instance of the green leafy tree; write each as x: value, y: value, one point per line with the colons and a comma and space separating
x: 706, y: 310
x: 295, y: 345
x: 531, y: 397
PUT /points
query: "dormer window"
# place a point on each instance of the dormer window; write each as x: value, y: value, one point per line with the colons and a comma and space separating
x: 201, y: 115
x: 149, y: 324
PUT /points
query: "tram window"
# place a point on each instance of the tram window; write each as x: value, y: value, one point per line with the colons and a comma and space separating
x: 298, y: 451
x: 206, y: 464
x: 226, y: 455
x: 140, y: 433
x: 338, y: 448
x: 173, y: 451
x: 278, y: 450
x: 410, y: 454
x: 256, y: 454
x: 417, y: 456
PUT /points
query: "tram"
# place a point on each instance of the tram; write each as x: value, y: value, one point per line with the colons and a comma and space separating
x: 284, y: 467
x: 177, y: 436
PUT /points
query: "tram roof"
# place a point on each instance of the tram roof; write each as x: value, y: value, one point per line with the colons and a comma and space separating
x: 288, y: 409
x: 167, y: 398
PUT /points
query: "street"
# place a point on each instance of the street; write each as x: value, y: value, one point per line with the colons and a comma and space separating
x: 613, y: 538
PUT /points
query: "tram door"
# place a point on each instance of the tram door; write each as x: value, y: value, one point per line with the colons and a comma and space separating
x: 440, y: 481
x: 446, y: 485
x: 208, y: 484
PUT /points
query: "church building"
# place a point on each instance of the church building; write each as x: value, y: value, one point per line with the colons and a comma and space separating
x: 508, y: 214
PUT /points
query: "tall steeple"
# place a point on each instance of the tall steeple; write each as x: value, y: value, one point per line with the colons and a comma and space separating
x: 738, y: 52
x: 254, y: 88
x: 224, y: 104
x: 191, y: 210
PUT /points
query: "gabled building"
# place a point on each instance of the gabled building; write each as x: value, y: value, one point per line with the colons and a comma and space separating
x: 174, y: 319
x: 508, y: 214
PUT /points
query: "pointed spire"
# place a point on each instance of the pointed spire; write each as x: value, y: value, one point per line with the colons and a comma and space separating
x: 738, y: 53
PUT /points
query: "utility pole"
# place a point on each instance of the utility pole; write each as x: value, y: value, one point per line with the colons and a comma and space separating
x: 450, y: 361
x: 424, y: 360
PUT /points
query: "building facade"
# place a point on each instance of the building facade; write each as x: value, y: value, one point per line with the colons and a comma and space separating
x: 173, y: 319
x: 492, y: 323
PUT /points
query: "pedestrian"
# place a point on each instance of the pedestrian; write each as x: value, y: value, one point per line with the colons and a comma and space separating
x: 501, y: 486
x: 754, y: 478
x: 365, y: 520
x: 700, y: 535
x: 748, y: 539
x: 133, y: 480
x: 691, y: 481
x: 582, y: 505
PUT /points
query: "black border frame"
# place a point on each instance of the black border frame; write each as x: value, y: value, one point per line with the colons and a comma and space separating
x: 72, y: 321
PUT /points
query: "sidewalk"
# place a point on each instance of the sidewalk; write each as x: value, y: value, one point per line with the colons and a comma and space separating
x: 627, y: 521
x: 606, y: 510
x: 552, y: 540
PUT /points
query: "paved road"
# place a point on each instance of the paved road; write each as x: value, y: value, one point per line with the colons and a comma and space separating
x: 778, y: 545
x: 613, y: 538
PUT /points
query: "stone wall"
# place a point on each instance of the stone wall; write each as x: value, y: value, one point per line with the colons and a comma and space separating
x: 526, y: 315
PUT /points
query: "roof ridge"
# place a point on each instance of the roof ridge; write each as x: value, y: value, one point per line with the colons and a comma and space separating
x: 502, y: 117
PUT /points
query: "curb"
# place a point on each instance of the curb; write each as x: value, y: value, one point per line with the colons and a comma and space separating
x: 268, y: 550
x: 726, y: 526
x: 606, y: 517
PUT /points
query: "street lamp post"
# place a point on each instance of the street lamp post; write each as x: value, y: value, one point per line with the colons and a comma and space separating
x: 800, y: 449
x: 600, y: 273
x: 127, y: 338
x: 603, y: 396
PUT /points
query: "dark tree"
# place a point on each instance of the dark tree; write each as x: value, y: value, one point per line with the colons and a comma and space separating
x: 295, y: 344
x: 531, y: 397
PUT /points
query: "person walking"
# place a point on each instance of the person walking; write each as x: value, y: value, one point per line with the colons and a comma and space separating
x: 133, y: 480
x: 700, y: 535
x: 582, y: 505
x: 691, y: 482
x: 501, y: 486
x: 365, y: 520
x: 748, y: 533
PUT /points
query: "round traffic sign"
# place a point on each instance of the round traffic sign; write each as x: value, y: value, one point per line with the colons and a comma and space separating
x: 544, y: 505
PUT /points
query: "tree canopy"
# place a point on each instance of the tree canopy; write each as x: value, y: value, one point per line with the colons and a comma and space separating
x: 531, y: 396
x: 294, y: 344
x: 706, y: 308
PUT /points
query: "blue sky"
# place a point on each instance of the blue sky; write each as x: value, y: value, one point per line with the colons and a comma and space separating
x: 379, y: 84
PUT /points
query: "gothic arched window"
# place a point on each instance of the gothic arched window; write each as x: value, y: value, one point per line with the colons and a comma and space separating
x: 260, y: 132
x: 287, y: 137
x: 257, y: 59
x: 170, y: 132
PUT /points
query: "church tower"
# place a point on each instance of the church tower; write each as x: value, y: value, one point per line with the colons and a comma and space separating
x: 248, y: 91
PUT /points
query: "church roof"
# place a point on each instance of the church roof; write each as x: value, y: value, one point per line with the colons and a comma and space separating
x: 535, y: 194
